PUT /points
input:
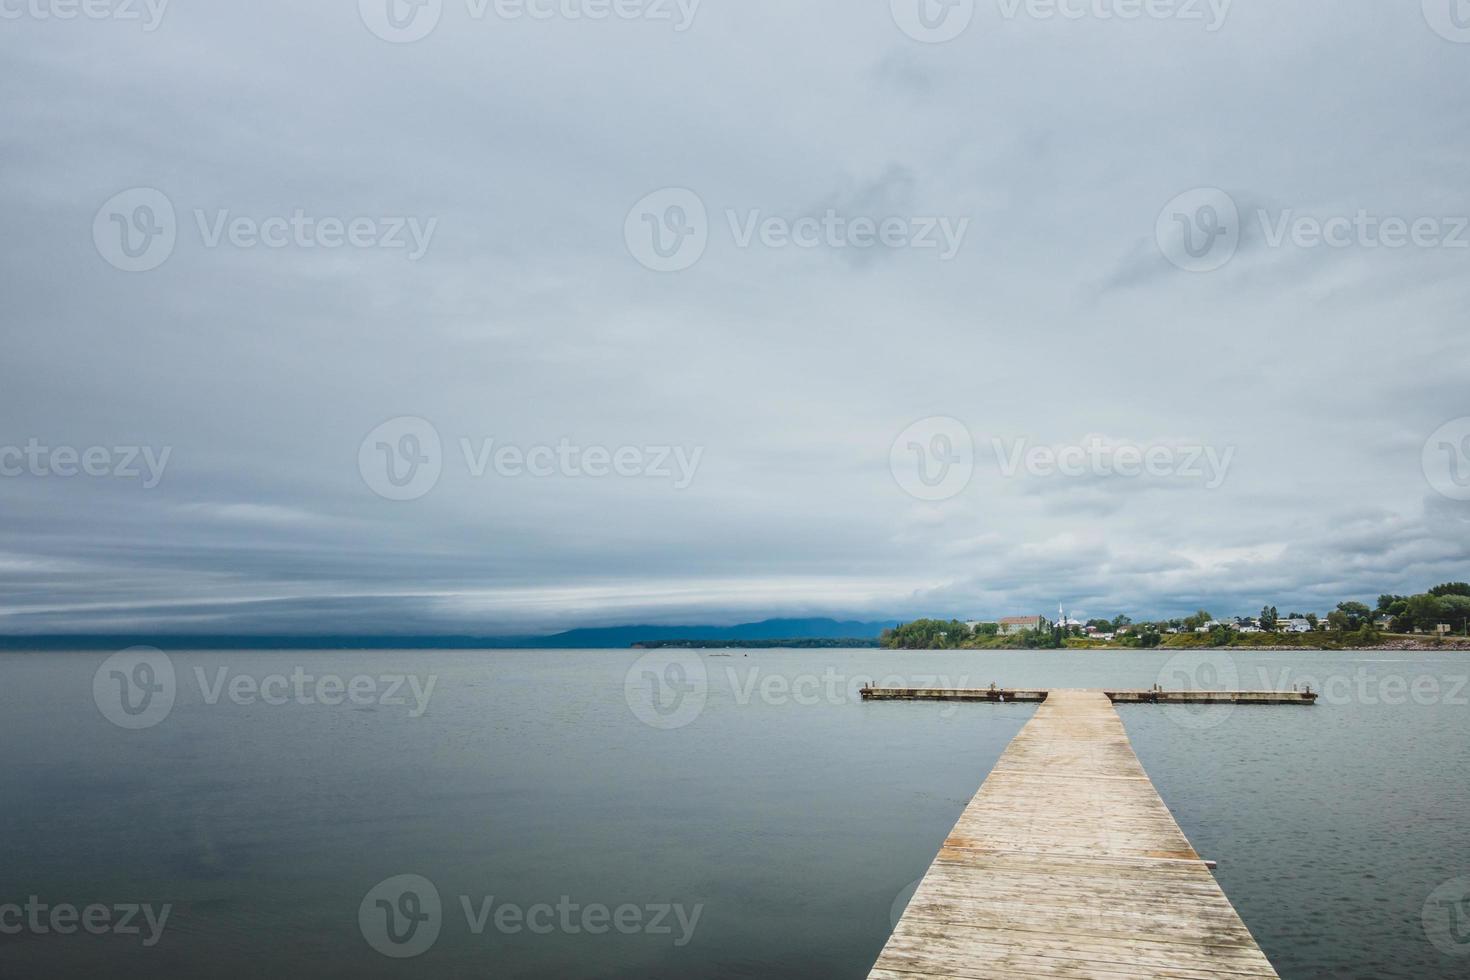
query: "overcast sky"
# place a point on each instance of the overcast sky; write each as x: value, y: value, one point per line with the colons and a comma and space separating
x: 565, y: 244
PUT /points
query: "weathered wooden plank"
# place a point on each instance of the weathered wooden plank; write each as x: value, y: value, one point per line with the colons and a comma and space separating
x: 1067, y: 863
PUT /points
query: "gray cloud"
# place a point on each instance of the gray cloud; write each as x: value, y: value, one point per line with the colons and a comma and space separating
x: 528, y: 321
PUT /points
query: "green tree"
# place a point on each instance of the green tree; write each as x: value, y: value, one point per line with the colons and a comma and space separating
x: 1312, y: 620
x: 1424, y: 611
x: 1268, y: 618
x: 1451, y: 588
x: 1198, y: 619
x: 1456, y: 609
x: 1357, y: 615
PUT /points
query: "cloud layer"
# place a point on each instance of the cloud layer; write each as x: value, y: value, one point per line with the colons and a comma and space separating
x: 530, y: 321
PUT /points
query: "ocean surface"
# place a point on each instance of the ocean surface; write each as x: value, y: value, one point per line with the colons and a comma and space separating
x: 676, y: 814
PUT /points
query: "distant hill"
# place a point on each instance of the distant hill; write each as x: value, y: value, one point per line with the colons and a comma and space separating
x: 766, y: 629
x: 578, y: 639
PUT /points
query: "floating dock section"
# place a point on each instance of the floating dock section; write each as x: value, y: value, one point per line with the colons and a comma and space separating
x: 1151, y: 696
x: 1068, y: 864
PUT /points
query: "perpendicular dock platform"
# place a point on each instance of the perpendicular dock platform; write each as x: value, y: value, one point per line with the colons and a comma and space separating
x: 1151, y: 696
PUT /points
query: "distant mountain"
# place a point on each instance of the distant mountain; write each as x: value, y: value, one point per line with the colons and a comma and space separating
x: 766, y: 629
x: 579, y: 639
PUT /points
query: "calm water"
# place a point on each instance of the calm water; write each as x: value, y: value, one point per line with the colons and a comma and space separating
x: 790, y: 816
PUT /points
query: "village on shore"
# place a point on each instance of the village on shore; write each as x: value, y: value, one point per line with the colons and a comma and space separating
x: 1432, y: 618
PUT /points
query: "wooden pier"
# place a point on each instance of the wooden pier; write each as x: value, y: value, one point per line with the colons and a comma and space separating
x: 1068, y: 864
x: 1149, y: 696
